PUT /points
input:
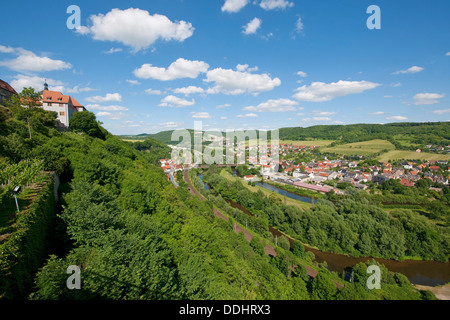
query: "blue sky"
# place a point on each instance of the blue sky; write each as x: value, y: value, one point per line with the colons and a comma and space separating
x: 148, y: 66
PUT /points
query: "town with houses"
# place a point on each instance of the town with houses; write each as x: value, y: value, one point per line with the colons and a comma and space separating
x: 324, y: 175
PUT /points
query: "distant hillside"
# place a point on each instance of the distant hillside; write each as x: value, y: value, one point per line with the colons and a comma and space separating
x: 418, y: 133
x: 163, y: 136
x: 403, y: 135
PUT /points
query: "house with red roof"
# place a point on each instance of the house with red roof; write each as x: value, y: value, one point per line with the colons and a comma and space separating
x: 6, y: 92
x: 65, y: 106
x: 406, y: 183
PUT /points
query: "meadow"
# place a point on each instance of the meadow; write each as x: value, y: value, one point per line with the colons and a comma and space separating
x: 411, y: 155
x: 364, y: 148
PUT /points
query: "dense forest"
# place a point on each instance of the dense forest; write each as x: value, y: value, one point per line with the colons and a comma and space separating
x: 134, y: 236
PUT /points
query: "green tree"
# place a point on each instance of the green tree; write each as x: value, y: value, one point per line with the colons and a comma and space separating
x: 29, y: 99
x: 86, y: 122
x: 322, y: 286
x: 298, y: 249
x: 257, y: 245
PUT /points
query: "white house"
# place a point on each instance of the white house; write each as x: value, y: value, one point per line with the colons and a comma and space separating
x: 64, y: 106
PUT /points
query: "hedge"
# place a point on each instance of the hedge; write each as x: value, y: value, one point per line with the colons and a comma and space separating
x: 24, y: 252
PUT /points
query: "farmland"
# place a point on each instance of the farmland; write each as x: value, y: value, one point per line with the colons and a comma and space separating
x: 411, y: 155
x: 317, y: 143
x: 364, y: 148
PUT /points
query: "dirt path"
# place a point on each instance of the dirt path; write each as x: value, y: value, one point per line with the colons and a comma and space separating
x: 441, y: 292
x: 190, y: 186
x: 269, y: 249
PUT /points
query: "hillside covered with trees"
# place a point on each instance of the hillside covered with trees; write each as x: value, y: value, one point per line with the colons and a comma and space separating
x: 134, y: 236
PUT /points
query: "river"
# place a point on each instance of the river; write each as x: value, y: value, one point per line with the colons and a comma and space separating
x: 285, y: 193
x: 428, y: 273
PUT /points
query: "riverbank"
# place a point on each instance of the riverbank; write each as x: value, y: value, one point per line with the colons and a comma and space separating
x: 419, y: 272
x: 440, y: 292
x: 248, y: 235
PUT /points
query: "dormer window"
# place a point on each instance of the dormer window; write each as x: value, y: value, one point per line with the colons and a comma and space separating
x: 59, y: 99
x: 49, y: 98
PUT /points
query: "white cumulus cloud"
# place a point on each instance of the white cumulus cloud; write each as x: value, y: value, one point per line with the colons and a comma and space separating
x: 29, y: 61
x: 172, y: 101
x: 272, y: 105
x: 153, y: 91
x: 233, y: 6
x: 181, y: 68
x: 248, y: 115
x: 133, y: 82
x: 109, y: 97
x: 252, y: 26
x: 232, y: 82
x: 413, y: 69
x: 442, y: 111
x: 21, y: 81
x: 189, y: 90
x: 136, y: 28
x: 299, y: 25
x: 275, y: 4
x: 320, y: 91
x: 427, y: 98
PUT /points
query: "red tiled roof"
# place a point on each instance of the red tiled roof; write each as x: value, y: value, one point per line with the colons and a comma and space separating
x: 76, y: 103
x: 406, y: 183
x: 5, y: 85
x: 53, y: 96
x: 312, y: 186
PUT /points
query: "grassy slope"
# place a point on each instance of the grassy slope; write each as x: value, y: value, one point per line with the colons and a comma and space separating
x: 405, y: 154
x: 361, y: 148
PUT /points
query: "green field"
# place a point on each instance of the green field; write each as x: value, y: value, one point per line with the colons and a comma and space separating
x: 411, y: 155
x: 364, y: 148
x: 318, y: 143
